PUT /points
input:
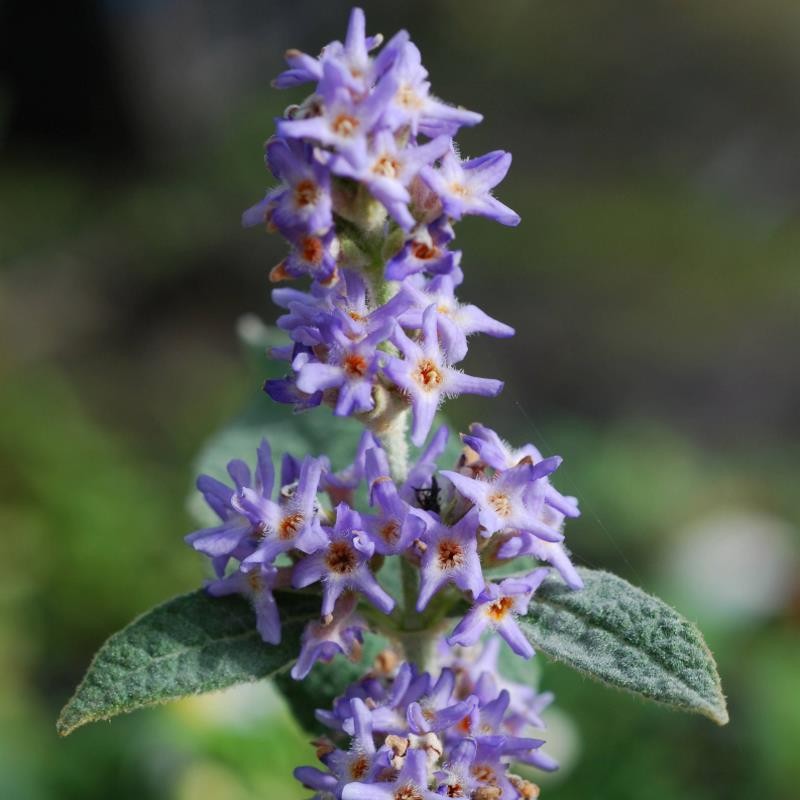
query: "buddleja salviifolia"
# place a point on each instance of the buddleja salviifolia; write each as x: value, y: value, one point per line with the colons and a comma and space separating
x: 370, y: 183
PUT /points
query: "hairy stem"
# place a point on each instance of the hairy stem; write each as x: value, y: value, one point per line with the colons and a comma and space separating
x: 410, y: 582
x: 419, y: 648
x: 391, y: 428
x: 394, y: 439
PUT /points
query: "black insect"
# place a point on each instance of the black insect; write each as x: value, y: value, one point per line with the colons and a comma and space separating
x: 428, y: 498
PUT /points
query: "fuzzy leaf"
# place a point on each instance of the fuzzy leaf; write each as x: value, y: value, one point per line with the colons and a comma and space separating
x: 191, y: 644
x: 621, y: 636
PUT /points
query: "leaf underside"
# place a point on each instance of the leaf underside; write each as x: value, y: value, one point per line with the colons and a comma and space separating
x: 189, y: 645
x: 618, y: 634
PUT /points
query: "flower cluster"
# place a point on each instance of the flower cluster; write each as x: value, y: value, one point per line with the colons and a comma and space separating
x: 451, y: 531
x: 370, y: 184
x: 402, y: 735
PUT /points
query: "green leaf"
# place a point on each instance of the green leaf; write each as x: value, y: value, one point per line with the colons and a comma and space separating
x: 191, y: 644
x: 326, y: 682
x: 625, y: 638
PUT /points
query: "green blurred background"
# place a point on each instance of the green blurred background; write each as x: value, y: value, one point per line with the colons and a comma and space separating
x: 653, y: 283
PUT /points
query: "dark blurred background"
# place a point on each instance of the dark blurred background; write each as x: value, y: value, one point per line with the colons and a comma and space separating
x: 653, y: 283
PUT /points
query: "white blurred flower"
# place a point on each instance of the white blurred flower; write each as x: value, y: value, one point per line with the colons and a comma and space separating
x: 733, y: 567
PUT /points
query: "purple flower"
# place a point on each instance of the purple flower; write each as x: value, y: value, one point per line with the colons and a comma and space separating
x: 413, y: 105
x: 351, y: 60
x: 489, y: 763
x: 306, y: 312
x: 292, y: 524
x: 410, y: 784
x: 457, y: 780
x: 438, y: 710
x: 512, y: 499
x: 303, y: 203
x: 345, y: 307
x: 284, y: 390
x: 343, y: 563
x: 495, y: 608
x: 323, y: 783
x: 386, y: 169
x: 387, y: 707
x: 479, y: 674
x: 425, y: 251
x: 351, y: 57
x: 451, y: 556
x: 499, y: 455
x: 456, y: 321
x: 312, y: 256
x: 447, y: 747
x: 343, y: 123
x: 394, y: 529
x: 527, y: 544
x: 341, y: 634
x: 350, y: 368
x: 425, y: 374
x: 255, y: 582
x: 361, y: 762
x: 488, y: 717
x: 464, y: 187
x: 232, y: 536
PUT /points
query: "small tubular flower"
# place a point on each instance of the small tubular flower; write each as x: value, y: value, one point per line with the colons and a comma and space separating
x: 425, y: 250
x: 411, y: 783
x: 451, y: 556
x: 293, y: 523
x: 255, y: 582
x: 495, y: 608
x: 426, y: 376
x: 413, y: 105
x: 321, y: 641
x: 465, y: 187
x: 234, y: 535
x: 395, y: 527
x: 302, y: 204
x: 511, y: 499
x: 343, y: 123
x: 311, y: 255
x: 386, y: 169
x: 350, y: 367
x: 455, y: 321
x: 499, y: 455
x: 527, y: 544
x: 341, y: 563
x: 439, y: 709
